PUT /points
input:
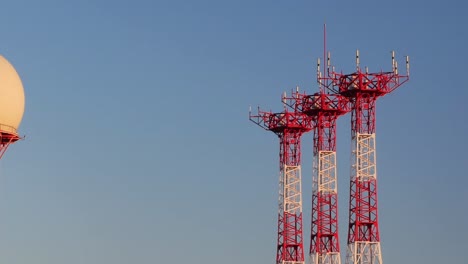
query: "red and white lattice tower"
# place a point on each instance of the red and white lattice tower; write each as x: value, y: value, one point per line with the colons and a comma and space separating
x: 324, y: 108
x: 289, y: 127
x: 363, y: 89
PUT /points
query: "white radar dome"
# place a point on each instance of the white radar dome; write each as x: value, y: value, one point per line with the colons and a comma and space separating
x: 11, y: 98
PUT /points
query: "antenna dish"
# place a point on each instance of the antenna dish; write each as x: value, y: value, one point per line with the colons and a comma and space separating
x: 11, y: 98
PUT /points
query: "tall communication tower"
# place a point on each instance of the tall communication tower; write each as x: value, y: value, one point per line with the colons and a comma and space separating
x: 289, y: 127
x: 323, y: 108
x: 11, y: 104
x: 363, y: 89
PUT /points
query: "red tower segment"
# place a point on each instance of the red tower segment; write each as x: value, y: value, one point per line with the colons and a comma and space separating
x: 289, y: 127
x: 363, y: 89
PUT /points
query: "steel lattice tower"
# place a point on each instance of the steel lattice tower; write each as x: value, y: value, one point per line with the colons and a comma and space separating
x: 363, y: 89
x: 289, y: 127
x: 323, y: 108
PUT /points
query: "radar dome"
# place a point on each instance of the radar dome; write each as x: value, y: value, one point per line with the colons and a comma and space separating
x: 11, y: 98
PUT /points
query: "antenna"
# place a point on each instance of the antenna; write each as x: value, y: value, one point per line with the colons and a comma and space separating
x: 324, y: 45
x: 318, y: 66
x: 319, y: 75
x: 283, y: 99
x: 393, y: 61
x: 407, y: 65
x: 357, y: 60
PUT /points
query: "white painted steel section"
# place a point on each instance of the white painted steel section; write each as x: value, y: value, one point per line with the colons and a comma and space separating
x: 364, y: 253
x: 326, y: 171
x: 290, y: 190
x: 364, y: 166
x: 329, y: 258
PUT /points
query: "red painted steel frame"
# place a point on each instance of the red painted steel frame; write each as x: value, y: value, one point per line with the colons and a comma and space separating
x: 5, y: 140
x: 289, y: 127
x: 324, y: 234
x: 363, y: 220
x: 363, y: 89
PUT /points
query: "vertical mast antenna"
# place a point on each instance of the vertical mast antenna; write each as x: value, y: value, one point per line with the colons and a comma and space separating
x: 325, y: 62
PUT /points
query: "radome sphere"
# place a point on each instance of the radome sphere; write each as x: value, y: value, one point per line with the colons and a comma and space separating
x: 11, y: 98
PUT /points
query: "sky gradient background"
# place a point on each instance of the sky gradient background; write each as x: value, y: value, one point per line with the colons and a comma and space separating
x: 138, y: 146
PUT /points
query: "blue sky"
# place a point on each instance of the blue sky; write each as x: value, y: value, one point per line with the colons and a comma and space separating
x: 138, y: 147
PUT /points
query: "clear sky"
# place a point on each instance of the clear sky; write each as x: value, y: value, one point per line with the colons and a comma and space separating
x: 138, y: 146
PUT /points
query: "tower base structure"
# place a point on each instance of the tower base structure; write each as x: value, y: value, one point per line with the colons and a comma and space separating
x: 364, y: 253
x: 331, y: 258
